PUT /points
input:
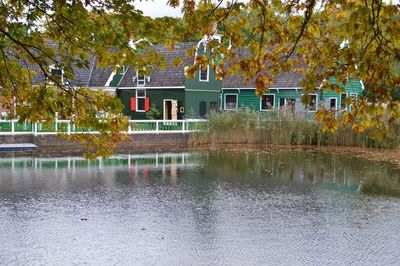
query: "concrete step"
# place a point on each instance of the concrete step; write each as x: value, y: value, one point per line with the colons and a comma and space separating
x: 18, y: 147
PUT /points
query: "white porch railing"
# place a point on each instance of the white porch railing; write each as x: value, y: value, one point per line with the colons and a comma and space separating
x: 13, y: 127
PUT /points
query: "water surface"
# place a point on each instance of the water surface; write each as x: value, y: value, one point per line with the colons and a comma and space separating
x: 278, y: 207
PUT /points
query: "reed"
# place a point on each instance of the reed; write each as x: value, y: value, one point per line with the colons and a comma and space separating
x: 246, y: 127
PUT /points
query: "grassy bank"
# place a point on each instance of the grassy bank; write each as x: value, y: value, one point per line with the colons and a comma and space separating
x: 250, y: 128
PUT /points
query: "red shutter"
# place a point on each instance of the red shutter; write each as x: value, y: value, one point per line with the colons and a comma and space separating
x: 133, y: 104
x: 147, y: 104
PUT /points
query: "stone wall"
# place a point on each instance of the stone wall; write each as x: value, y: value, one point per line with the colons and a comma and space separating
x: 139, y: 143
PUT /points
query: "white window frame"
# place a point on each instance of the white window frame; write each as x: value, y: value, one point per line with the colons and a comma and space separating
x: 208, y: 74
x: 62, y: 74
x: 266, y: 110
x: 137, y: 101
x: 237, y: 101
x: 336, y: 103
x: 140, y: 80
x: 316, y: 103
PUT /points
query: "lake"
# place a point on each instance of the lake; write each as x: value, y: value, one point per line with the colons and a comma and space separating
x: 203, y: 208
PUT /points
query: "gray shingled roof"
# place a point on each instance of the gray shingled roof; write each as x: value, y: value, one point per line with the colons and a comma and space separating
x: 171, y: 76
x: 284, y: 80
x: 89, y: 76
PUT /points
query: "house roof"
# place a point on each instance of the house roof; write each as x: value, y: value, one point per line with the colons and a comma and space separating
x: 171, y: 76
x: 283, y: 80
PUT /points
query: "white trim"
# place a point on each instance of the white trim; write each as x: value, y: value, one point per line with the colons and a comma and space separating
x: 141, y: 97
x: 164, y: 113
x: 208, y: 74
x: 237, y: 101
x: 336, y: 102
x: 277, y: 88
x: 203, y: 90
x: 62, y: 74
x: 140, y: 80
x: 362, y: 85
x: 140, y: 87
x: 267, y: 110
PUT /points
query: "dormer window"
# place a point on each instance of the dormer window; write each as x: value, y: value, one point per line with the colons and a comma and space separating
x: 140, y: 78
x: 56, y: 74
x: 204, y: 74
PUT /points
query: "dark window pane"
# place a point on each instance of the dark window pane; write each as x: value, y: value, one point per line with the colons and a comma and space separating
x: 230, y: 102
x: 56, y: 73
x: 332, y: 104
x: 267, y: 102
x: 141, y: 93
x: 140, y: 104
x: 203, y: 73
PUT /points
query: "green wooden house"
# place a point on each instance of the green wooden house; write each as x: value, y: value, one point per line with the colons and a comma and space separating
x: 177, y: 97
x: 168, y: 91
x: 284, y: 97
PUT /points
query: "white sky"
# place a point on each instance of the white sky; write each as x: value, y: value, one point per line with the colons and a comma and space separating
x: 157, y: 8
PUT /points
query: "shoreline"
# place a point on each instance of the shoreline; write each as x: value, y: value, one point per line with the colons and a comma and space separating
x: 391, y: 156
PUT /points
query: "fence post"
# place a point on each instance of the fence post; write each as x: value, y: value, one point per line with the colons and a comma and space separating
x: 129, y: 128
x: 12, y: 127
x: 157, y: 126
x: 69, y: 128
x: 35, y: 129
x: 183, y: 126
x: 56, y: 126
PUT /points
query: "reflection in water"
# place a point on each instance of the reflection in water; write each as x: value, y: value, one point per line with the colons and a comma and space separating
x: 280, y: 207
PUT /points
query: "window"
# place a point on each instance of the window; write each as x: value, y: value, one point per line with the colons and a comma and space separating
x: 231, y: 102
x: 56, y: 74
x: 203, y: 73
x: 332, y: 103
x: 312, y: 105
x: 343, y: 101
x: 140, y: 100
x: 268, y: 102
x: 140, y: 78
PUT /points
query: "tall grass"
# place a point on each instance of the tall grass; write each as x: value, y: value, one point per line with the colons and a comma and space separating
x: 245, y: 127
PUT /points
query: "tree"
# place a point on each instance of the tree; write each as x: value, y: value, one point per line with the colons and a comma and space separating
x: 42, y: 43
x: 328, y: 40
x: 331, y: 41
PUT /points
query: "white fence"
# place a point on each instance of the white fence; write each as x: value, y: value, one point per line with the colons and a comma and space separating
x: 13, y: 127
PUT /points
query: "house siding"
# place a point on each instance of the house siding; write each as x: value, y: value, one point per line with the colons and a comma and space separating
x: 247, y: 99
x: 157, y: 97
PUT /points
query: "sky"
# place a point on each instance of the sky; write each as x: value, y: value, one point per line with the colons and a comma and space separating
x: 157, y: 8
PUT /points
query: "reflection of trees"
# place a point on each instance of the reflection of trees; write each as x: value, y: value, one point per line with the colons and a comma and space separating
x: 304, y: 167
